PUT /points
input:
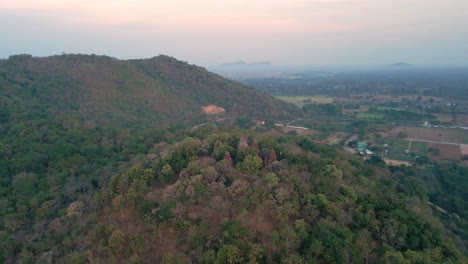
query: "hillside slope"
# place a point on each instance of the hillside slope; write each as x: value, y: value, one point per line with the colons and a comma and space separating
x: 155, y: 92
x: 88, y: 176
x: 232, y: 196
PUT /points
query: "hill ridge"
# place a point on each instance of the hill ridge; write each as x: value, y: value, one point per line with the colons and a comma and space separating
x: 159, y: 91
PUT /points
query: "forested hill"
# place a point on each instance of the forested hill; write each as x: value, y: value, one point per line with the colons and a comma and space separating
x: 89, y: 173
x: 69, y: 122
x: 155, y: 92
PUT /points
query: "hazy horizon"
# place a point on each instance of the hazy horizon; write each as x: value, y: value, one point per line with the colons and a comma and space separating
x: 208, y: 32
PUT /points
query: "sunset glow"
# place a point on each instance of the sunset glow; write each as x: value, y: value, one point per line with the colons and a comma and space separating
x: 316, y: 31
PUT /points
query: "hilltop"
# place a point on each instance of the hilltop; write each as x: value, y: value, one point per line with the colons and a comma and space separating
x: 242, y: 63
x: 401, y: 65
x: 156, y: 92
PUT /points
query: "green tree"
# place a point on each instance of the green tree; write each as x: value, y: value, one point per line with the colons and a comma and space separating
x: 229, y: 254
x: 117, y: 241
x: 377, y: 161
x: 251, y: 164
x: 271, y: 179
x: 244, y: 122
x: 422, y: 160
x: 167, y: 174
x: 402, y: 134
x: 25, y: 184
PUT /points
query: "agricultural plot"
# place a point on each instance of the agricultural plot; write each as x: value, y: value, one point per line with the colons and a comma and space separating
x: 300, y: 132
x: 370, y: 116
x: 300, y: 101
x: 420, y: 148
x: 362, y: 108
x: 462, y: 120
x: 399, y: 147
x: 397, y: 150
x: 444, y: 118
x: 382, y: 108
x: 446, y: 152
x: 431, y: 134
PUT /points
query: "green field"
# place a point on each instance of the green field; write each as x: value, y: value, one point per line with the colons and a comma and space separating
x: 420, y: 148
x: 383, y: 108
x: 299, y: 100
x: 370, y: 116
x: 398, y: 147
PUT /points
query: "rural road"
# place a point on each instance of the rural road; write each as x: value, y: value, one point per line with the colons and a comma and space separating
x: 348, y: 149
x: 296, y: 127
x: 204, y: 124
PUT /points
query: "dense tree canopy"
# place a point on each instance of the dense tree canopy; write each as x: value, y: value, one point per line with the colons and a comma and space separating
x: 115, y: 189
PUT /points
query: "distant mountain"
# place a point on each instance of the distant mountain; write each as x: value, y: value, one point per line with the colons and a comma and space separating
x: 156, y: 92
x: 244, y: 64
x: 401, y: 65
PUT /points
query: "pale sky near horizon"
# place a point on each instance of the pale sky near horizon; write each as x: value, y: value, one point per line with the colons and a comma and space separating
x: 208, y: 32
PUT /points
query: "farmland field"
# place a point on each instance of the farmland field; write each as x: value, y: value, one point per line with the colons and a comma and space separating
x: 362, y: 108
x: 382, y: 108
x: 300, y: 131
x: 432, y: 134
x: 370, y: 116
x: 447, y: 152
x: 397, y: 148
x: 385, y: 98
x: 299, y: 100
x: 462, y: 119
x: 444, y: 117
x: 418, y: 147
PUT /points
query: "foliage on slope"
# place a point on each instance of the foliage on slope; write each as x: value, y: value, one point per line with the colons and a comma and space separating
x: 67, y: 123
x: 83, y: 178
x: 154, y: 92
x: 212, y: 89
x: 230, y: 197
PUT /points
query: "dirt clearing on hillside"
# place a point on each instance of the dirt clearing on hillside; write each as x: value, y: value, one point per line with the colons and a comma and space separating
x: 392, y: 162
x: 213, y: 109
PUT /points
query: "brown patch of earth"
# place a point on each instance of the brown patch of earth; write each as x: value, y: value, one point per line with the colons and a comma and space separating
x: 392, y: 162
x: 258, y: 221
x: 447, y: 152
x: 336, y: 137
x: 462, y: 120
x: 299, y: 131
x: 464, y: 153
x: 213, y: 109
x: 444, y: 117
x: 432, y: 134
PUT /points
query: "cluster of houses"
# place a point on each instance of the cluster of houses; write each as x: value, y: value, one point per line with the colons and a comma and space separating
x: 259, y: 122
x: 363, y: 150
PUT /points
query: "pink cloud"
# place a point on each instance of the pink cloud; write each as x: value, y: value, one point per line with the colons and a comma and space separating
x: 122, y: 15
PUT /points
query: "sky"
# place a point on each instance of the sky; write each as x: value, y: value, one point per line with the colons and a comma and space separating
x: 210, y: 32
